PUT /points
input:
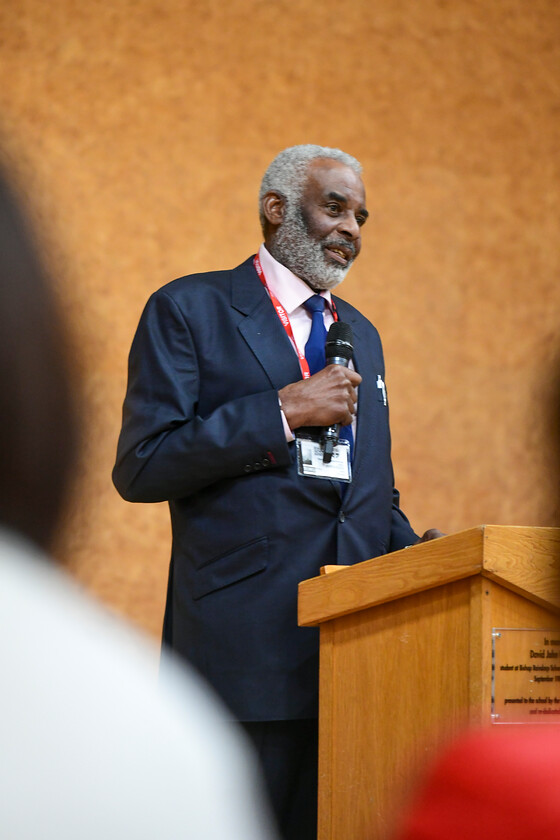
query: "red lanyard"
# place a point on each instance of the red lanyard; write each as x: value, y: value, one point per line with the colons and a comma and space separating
x: 284, y: 320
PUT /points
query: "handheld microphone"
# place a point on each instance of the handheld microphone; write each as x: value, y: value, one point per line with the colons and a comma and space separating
x: 338, y: 351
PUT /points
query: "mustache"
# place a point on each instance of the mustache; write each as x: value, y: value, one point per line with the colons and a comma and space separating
x: 343, y: 244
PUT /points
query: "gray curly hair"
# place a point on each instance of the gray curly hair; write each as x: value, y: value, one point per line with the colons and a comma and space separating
x: 286, y: 174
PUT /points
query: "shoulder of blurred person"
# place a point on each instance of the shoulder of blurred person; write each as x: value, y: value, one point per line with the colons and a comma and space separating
x: 93, y: 743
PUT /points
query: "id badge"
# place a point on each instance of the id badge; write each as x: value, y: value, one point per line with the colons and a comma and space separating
x: 310, y: 462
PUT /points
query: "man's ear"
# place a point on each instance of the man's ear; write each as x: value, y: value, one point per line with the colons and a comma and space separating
x: 273, y: 206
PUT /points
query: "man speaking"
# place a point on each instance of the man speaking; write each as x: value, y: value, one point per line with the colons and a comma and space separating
x: 228, y: 396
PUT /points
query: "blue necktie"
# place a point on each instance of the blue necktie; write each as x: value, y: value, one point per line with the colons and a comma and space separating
x: 315, y: 347
x: 315, y: 352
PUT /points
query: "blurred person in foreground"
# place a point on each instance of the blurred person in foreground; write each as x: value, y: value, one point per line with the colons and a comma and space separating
x: 497, y: 784
x: 91, y: 745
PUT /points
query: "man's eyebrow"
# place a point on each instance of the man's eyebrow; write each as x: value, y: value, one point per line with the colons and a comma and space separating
x: 334, y: 196
x: 337, y: 197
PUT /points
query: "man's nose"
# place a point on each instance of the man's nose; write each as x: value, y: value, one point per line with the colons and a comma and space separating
x: 349, y: 226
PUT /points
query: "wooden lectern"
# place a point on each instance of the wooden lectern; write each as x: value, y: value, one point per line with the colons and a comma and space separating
x: 406, y: 659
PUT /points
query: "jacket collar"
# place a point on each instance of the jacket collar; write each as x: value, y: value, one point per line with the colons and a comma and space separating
x: 261, y: 327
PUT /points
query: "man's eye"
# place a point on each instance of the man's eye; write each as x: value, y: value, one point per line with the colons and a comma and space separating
x: 361, y: 220
x: 334, y: 208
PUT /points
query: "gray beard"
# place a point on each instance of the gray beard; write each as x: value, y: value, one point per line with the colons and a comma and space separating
x: 304, y: 256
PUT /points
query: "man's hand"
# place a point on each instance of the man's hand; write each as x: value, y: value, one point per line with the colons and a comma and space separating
x: 327, y: 397
x: 430, y: 534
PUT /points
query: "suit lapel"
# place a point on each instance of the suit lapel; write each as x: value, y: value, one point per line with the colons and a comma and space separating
x: 261, y: 327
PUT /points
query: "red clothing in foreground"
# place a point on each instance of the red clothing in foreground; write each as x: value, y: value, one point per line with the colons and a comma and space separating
x: 500, y: 783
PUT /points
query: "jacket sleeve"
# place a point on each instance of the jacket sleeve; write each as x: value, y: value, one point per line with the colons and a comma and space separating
x: 402, y: 534
x: 166, y: 450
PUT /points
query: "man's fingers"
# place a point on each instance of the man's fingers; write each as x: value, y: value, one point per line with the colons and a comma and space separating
x: 325, y: 398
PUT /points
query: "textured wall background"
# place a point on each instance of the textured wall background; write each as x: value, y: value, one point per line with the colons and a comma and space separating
x: 139, y: 132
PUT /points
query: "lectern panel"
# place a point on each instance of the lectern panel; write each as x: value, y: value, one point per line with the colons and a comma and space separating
x: 397, y: 686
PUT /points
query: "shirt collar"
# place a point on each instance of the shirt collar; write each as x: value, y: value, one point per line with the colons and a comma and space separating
x: 290, y: 290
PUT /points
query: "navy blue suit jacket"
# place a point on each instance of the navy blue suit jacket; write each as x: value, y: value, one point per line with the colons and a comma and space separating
x: 202, y: 430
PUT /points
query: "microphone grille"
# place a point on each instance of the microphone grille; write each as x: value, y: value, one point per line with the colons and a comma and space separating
x: 339, y: 341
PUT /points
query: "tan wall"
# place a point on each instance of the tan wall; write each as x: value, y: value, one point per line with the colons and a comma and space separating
x: 140, y: 131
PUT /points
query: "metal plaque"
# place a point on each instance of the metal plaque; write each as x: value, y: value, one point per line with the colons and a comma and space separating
x: 525, y: 676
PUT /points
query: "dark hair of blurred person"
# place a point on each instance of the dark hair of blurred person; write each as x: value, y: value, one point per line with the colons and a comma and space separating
x: 37, y: 412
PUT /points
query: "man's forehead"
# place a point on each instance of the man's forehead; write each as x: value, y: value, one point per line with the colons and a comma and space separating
x: 327, y: 175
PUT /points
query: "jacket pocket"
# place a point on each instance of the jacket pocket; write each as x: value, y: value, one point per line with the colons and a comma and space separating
x: 235, y: 565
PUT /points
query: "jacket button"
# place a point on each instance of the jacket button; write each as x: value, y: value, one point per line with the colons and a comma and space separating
x: 265, y: 462
x: 248, y: 468
x: 341, y: 516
